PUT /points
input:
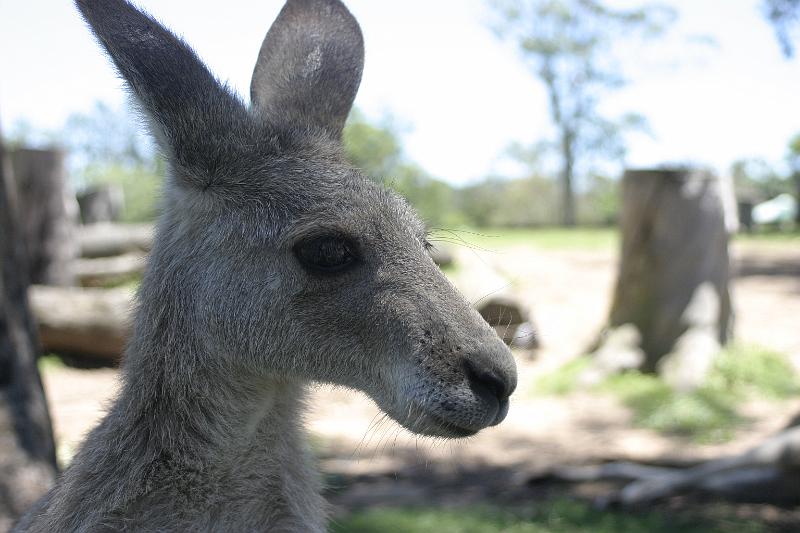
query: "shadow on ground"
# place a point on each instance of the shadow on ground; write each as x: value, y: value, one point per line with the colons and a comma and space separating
x: 525, y: 501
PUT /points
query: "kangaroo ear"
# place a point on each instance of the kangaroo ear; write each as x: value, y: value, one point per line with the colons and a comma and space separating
x: 309, y: 66
x: 188, y: 108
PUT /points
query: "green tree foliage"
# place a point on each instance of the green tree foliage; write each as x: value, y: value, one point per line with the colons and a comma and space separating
x: 784, y: 15
x: 106, y: 136
x: 533, y: 202
x: 599, y: 205
x: 756, y: 180
x: 107, y: 146
x: 568, y: 44
x: 793, y: 158
x: 377, y: 150
x: 374, y: 148
x: 104, y: 145
x: 516, y: 203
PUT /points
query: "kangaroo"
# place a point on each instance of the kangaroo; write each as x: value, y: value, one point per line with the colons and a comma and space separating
x: 275, y: 265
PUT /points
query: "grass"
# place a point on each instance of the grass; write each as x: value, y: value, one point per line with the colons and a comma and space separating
x: 564, y: 379
x: 560, y: 516
x: 707, y: 414
x: 543, y: 238
x: 131, y: 281
x: 743, y: 368
x: 49, y: 363
x: 704, y: 415
x: 770, y: 236
x: 580, y: 238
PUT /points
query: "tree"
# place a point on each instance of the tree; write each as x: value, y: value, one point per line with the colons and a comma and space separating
x: 569, y: 46
x: 377, y: 150
x: 374, y: 148
x: 767, y: 471
x: 794, y: 166
x: 104, y: 146
x: 755, y: 177
x: 27, y: 451
x: 46, y: 215
x: 671, y: 309
x: 784, y: 15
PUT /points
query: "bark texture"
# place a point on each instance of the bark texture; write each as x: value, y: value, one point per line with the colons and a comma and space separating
x: 27, y: 450
x: 671, y: 308
x: 47, y: 215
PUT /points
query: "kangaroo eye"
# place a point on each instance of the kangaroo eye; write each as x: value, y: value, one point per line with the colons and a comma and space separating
x: 326, y: 254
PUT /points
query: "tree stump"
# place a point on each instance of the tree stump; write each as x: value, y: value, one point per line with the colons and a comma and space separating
x: 27, y: 450
x: 48, y: 213
x: 672, y: 306
x: 101, y: 203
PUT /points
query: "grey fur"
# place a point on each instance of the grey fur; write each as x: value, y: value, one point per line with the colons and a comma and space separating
x: 206, y: 433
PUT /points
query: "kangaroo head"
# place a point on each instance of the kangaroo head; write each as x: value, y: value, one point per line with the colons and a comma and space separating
x: 274, y: 257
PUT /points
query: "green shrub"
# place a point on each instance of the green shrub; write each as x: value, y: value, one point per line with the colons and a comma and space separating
x: 141, y: 187
x: 564, y: 379
x: 49, y: 363
x: 749, y: 368
x: 707, y: 414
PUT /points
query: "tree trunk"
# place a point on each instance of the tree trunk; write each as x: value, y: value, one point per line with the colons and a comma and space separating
x: 796, y: 177
x: 671, y: 308
x: 48, y: 213
x: 567, y: 178
x: 27, y: 450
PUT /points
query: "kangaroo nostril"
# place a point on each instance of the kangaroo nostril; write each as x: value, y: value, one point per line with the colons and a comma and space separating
x: 487, y: 378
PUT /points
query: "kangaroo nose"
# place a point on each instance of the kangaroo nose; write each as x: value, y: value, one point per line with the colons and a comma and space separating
x: 483, y: 378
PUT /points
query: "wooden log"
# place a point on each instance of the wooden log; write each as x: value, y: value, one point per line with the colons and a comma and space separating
x: 27, y: 449
x: 106, y: 271
x: 48, y: 215
x: 672, y: 286
x: 107, y: 239
x: 101, y: 203
x: 766, y: 472
x: 85, y: 322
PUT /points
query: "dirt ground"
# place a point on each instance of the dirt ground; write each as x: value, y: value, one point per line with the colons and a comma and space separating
x: 371, y: 460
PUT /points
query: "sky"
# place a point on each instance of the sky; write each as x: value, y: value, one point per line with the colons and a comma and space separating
x: 460, y: 94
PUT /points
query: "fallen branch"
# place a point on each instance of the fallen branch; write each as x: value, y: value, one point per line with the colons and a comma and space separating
x: 773, y: 463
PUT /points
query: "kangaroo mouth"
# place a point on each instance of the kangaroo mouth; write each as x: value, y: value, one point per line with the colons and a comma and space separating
x: 427, y: 421
x: 452, y: 430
